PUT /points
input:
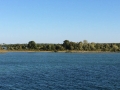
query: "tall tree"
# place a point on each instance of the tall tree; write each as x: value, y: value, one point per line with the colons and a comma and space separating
x: 32, y: 45
x: 80, y: 46
x: 66, y: 44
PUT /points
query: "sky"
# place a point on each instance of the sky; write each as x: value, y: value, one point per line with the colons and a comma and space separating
x: 53, y: 21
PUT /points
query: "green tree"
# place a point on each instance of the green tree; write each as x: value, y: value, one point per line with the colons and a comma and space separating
x: 80, y: 46
x: 66, y: 44
x: 32, y: 45
x: 115, y: 48
x: 0, y: 47
x: 92, y: 46
x: 59, y: 47
x: 53, y: 47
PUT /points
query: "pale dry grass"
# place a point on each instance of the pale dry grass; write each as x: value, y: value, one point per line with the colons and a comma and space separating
x: 3, y: 51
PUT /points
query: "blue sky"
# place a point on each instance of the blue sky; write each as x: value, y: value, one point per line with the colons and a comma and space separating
x: 53, y: 21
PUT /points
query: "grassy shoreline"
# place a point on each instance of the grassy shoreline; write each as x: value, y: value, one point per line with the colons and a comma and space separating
x: 3, y: 51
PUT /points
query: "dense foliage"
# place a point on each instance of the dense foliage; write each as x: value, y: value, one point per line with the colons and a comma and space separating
x: 66, y: 46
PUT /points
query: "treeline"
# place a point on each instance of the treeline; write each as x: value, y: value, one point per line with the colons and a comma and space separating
x: 66, y: 46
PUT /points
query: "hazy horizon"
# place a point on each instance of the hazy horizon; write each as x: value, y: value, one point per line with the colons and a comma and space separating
x: 53, y: 21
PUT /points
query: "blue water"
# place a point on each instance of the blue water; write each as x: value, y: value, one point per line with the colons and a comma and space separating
x: 59, y: 71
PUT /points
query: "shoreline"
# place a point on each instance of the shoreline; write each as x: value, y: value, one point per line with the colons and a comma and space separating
x: 5, y: 51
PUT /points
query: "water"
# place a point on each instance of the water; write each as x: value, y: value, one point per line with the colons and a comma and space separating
x: 59, y: 71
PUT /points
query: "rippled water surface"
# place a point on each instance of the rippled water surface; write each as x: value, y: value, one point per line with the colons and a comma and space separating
x: 59, y: 71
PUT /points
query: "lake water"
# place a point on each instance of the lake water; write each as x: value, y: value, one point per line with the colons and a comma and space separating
x: 59, y: 71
